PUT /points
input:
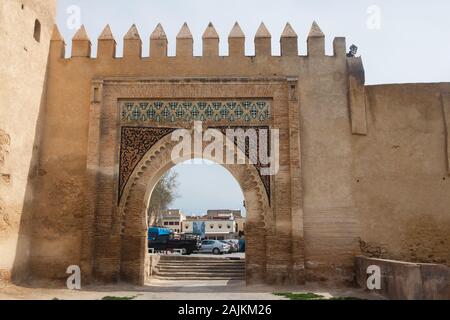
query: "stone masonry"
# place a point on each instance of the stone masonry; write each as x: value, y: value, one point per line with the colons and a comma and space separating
x: 363, y: 169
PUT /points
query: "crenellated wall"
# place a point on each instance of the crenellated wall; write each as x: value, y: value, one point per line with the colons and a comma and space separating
x: 362, y: 168
x: 314, y: 103
x: 132, y: 44
x: 25, y: 29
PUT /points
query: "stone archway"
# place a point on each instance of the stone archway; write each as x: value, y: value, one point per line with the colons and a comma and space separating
x: 133, y: 208
x: 136, y: 115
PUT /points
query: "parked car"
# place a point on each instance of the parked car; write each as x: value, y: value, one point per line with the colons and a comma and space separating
x: 234, y: 245
x: 215, y: 247
x: 162, y: 239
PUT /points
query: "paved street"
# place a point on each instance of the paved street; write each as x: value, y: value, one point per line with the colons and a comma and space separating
x: 173, y: 290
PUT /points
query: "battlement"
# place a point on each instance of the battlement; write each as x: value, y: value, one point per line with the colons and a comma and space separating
x: 132, y: 43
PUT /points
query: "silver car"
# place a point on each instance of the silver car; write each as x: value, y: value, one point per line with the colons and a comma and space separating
x: 234, y: 245
x: 215, y: 247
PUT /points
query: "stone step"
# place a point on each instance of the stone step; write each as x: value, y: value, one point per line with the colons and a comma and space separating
x: 199, y: 268
x: 212, y: 271
x: 187, y: 270
x: 214, y: 268
x: 201, y: 259
x: 193, y: 257
x: 213, y: 258
x: 200, y: 274
x: 173, y: 263
x: 200, y: 278
x: 225, y: 266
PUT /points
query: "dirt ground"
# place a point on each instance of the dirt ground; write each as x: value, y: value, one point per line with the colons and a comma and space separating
x: 172, y: 290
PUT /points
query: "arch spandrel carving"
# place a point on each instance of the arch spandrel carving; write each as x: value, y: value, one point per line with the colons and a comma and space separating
x: 136, y: 141
x: 158, y: 160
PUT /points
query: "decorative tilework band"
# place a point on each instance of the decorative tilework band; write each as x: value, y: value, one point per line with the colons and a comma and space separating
x: 160, y: 111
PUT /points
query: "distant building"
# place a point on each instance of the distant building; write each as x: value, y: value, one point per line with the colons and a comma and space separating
x: 216, y: 224
x: 240, y: 225
x: 222, y: 213
x: 171, y: 219
x: 211, y: 228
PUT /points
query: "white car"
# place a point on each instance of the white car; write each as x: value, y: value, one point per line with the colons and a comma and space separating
x: 215, y: 247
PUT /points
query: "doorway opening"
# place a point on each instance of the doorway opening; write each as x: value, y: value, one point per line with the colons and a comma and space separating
x: 136, y: 263
x: 197, y: 220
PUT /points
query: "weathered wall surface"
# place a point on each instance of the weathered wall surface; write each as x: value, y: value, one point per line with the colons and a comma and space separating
x: 22, y: 76
x: 330, y: 212
x: 400, y: 176
x: 406, y: 280
x: 376, y: 172
x: 317, y: 112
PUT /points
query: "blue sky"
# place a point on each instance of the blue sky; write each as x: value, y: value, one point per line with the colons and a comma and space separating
x: 206, y: 186
x: 411, y: 45
x: 401, y: 41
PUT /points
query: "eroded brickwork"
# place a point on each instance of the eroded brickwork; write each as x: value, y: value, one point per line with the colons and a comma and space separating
x: 362, y: 168
x: 24, y: 55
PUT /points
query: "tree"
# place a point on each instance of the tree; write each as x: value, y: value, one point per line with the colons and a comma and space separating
x: 162, y: 196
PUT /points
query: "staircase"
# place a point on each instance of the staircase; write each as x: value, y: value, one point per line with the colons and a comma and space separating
x: 199, y: 268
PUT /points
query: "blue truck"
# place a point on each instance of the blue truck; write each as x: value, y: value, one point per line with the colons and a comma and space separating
x: 162, y: 239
